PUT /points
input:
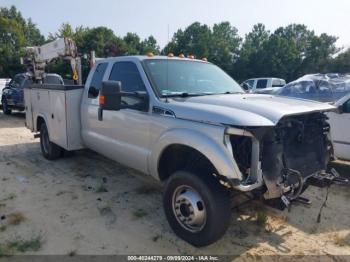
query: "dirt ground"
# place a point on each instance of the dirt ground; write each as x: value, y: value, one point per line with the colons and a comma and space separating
x: 63, y: 205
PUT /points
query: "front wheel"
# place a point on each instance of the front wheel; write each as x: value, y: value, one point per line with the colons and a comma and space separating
x: 5, y: 107
x: 49, y: 150
x: 197, y: 207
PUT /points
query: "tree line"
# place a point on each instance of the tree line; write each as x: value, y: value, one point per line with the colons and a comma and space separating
x: 288, y: 52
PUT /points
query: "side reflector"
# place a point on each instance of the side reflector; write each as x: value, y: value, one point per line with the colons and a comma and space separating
x: 101, y: 100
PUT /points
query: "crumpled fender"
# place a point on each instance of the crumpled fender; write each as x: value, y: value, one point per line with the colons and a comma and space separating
x: 217, y: 153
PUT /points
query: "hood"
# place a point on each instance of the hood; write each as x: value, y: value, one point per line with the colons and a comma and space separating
x: 243, y: 109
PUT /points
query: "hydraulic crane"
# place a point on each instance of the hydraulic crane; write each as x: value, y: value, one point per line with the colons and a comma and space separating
x: 38, y: 57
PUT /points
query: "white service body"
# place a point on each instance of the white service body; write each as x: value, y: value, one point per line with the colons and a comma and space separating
x: 60, y: 107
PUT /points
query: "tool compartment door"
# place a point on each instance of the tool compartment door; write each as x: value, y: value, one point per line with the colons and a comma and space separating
x: 57, y: 118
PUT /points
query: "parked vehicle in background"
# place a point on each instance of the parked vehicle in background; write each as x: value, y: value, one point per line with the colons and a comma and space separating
x: 12, y: 96
x: 191, y: 126
x: 263, y: 84
x: 318, y: 87
x: 3, y: 83
x: 340, y: 128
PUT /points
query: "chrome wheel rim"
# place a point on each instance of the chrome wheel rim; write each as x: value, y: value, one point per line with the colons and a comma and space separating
x: 189, y: 208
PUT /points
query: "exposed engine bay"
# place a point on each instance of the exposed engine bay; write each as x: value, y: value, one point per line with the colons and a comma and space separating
x: 297, y: 148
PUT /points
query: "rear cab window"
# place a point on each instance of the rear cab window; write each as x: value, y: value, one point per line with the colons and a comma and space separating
x: 278, y: 82
x: 96, y: 81
x: 261, y: 83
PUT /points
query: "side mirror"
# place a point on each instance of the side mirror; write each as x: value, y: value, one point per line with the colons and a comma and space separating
x: 110, y: 97
x: 245, y: 86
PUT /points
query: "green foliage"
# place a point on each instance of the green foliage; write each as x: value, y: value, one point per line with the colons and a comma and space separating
x: 20, y: 245
x: 288, y: 52
x: 15, y: 33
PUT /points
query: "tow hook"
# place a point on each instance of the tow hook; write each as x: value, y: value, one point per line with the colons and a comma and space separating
x: 327, y: 179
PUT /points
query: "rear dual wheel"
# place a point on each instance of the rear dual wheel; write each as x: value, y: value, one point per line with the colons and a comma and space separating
x: 49, y: 150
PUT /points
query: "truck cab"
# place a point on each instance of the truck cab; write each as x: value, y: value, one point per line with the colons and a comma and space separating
x: 263, y: 84
x: 190, y: 126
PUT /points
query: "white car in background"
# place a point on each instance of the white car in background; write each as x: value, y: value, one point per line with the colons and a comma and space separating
x: 263, y: 84
x: 340, y: 128
x: 3, y: 83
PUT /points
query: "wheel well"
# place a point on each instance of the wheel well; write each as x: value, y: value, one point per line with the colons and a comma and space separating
x: 180, y: 157
x: 40, y: 120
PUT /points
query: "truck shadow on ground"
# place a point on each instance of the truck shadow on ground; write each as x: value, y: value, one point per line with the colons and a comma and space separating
x: 17, y: 120
x: 132, y: 198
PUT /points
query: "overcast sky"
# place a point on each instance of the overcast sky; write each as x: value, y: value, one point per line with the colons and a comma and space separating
x: 152, y: 17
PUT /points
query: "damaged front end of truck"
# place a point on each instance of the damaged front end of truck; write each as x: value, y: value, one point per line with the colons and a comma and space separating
x: 280, y: 161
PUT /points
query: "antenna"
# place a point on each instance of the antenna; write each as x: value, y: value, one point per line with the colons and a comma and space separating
x: 167, y: 69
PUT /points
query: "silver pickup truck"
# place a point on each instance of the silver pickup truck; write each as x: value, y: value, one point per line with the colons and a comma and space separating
x: 191, y: 126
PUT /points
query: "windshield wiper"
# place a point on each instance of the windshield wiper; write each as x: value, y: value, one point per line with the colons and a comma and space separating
x: 230, y: 93
x: 185, y: 94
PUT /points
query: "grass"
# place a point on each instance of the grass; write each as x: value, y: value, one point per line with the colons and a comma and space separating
x: 15, y: 218
x: 261, y: 219
x: 20, y: 245
x: 101, y: 189
x: 139, y: 213
x: 156, y: 237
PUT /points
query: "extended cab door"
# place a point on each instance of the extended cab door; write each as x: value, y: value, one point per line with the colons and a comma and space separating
x: 340, y: 126
x: 122, y: 135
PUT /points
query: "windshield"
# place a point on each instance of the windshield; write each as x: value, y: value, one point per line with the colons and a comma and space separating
x: 174, y: 77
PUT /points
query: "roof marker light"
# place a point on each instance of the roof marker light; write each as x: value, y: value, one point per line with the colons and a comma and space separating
x: 205, y: 59
x: 150, y: 54
x: 181, y: 55
x: 191, y: 56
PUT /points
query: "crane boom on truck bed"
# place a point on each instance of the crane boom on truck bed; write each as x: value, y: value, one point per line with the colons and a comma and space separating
x: 37, y: 57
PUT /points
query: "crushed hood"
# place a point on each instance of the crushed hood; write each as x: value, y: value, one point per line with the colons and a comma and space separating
x: 242, y: 109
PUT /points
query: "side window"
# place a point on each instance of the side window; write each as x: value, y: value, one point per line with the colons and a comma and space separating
x: 250, y: 83
x: 262, y: 83
x: 277, y: 83
x: 96, y: 82
x: 131, y: 81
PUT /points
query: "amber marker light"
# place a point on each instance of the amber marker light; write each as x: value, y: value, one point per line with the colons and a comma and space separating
x: 101, y: 100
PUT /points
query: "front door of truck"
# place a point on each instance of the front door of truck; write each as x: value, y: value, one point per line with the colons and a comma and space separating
x: 122, y: 135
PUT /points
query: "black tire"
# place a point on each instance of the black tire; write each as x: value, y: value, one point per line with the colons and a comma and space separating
x: 5, y: 108
x: 49, y: 150
x: 216, y: 202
